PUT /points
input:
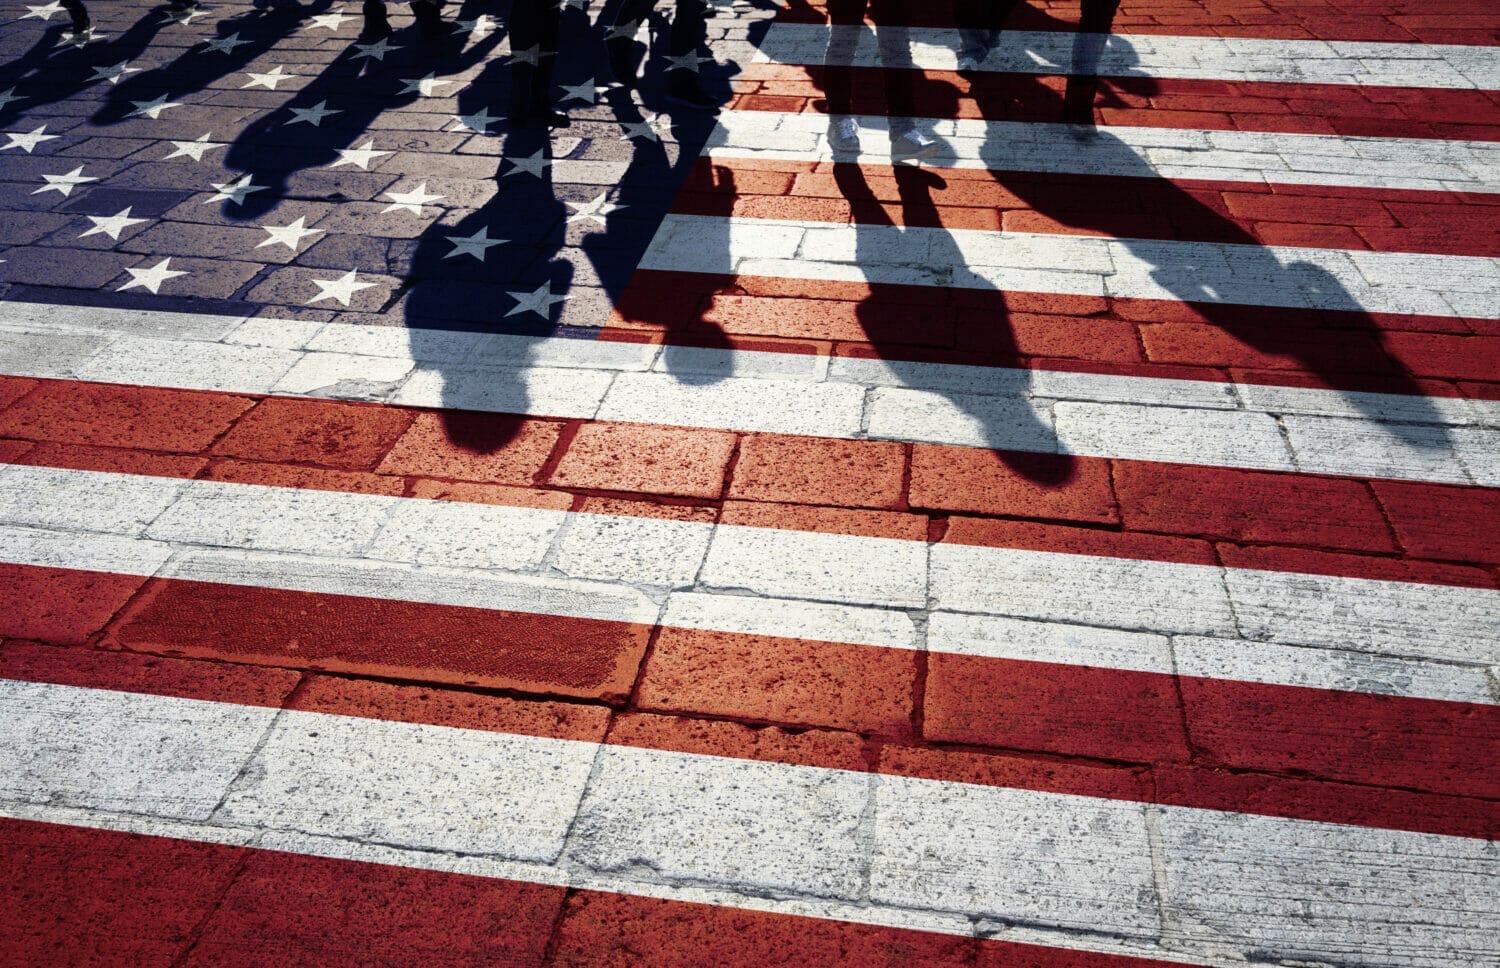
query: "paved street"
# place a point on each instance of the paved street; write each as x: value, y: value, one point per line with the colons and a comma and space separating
x: 1026, y: 498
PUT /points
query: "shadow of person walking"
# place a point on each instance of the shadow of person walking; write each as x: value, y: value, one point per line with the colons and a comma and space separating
x: 1229, y: 278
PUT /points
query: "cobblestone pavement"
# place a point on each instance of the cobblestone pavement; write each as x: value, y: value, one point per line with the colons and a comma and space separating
x: 707, y: 538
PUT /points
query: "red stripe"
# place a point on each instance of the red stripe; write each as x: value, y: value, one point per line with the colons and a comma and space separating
x: 1359, y: 528
x: 1397, y: 21
x: 77, y: 895
x: 1016, y: 723
x: 80, y: 896
x: 1331, y: 349
x: 1334, y: 109
x: 1237, y: 213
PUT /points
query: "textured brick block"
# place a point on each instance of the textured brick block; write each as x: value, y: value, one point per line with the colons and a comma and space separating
x: 803, y: 470
x: 651, y: 460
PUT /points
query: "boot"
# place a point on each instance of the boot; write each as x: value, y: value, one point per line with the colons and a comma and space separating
x: 429, y: 21
x: 82, y: 25
x: 684, y: 88
x: 377, y: 26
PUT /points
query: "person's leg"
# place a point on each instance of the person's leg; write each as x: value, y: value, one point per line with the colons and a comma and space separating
x: 689, y: 27
x: 377, y: 25
x: 619, y: 40
x: 79, y: 15
x: 979, y: 23
x: 1088, y: 47
x: 533, y: 40
x: 838, y: 75
x: 429, y: 20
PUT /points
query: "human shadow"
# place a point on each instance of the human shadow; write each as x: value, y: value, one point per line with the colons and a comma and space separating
x: 274, y: 149
x: 54, y: 70
x: 1068, y: 170
x: 560, y: 269
x: 250, y: 34
x: 1286, y: 306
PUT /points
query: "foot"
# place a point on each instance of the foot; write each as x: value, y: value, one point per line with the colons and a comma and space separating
x: 683, y: 88
x: 377, y: 25
x: 843, y: 136
x: 429, y: 22
x: 912, y: 146
x: 621, y: 58
x: 1078, y: 104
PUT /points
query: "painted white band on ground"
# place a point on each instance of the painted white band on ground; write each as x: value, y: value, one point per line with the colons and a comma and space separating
x: 1199, y: 272
x: 1241, y: 59
x: 619, y: 568
x: 1257, y: 157
x: 1202, y: 880
x: 1126, y: 417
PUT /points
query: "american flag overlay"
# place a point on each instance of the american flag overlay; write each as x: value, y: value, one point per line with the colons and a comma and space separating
x: 774, y: 483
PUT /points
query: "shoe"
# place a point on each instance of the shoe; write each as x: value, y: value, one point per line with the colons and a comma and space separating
x: 843, y: 136
x: 429, y: 22
x: 969, y: 62
x: 1078, y: 104
x: 683, y: 88
x: 620, y: 53
x: 178, y: 6
x: 913, y: 146
x: 377, y: 26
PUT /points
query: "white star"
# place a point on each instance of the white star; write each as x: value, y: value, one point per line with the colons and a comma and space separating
x: 532, y: 165
x: 586, y: 91
x: 89, y: 36
x: 359, y: 157
x: 8, y: 95
x: 331, y: 21
x: 479, y: 121
x: 411, y: 201
x: 539, y: 302
x: 425, y: 86
x: 184, y: 17
x: 193, y: 149
x: 269, y: 79
x: 531, y: 55
x: 341, y: 288
x: 595, y: 211
x: 114, y: 72
x: 151, y: 278
x: 235, y: 191
x: 44, y: 12
x: 377, y: 50
x: 624, y: 31
x: 687, y: 62
x: 27, y: 142
x: 640, y: 129
x: 288, y: 235
x: 481, y: 26
x: 64, y: 183
x: 152, y: 109
x: 476, y: 245
x: 112, y: 225
x: 313, y: 115
x: 226, y: 45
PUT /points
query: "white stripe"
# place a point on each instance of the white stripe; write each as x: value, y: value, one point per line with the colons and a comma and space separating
x: 1257, y: 157
x: 1249, y: 59
x: 215, y: 534
x: 1208, y: 272
x: 1190, y: 422
x: 1208, y: 882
